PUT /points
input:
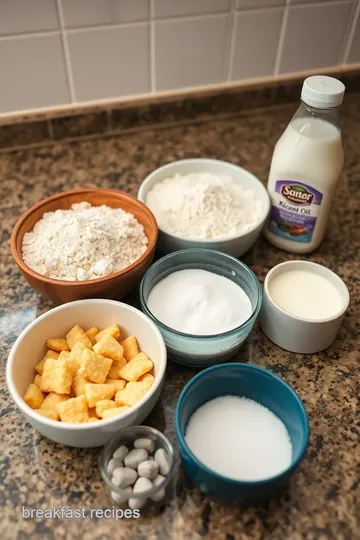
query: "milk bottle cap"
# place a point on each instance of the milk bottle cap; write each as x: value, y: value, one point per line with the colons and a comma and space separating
x: 322, y: 92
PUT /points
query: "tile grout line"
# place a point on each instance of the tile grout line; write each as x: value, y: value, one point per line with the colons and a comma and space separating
x: 281, y: 38
x: 346, y: 35
x: 66, y: 52
x: 351, y: 33
x: 182, y: 18
x: 107, y: 26
x: 319, y: 3
x: 24, y: 35
x: 152, y: 48
x: 231, y: 45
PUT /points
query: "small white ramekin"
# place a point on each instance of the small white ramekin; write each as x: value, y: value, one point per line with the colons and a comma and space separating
x: 297, y: 334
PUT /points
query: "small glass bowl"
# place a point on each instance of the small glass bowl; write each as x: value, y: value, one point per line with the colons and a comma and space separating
x: 203, y: 351
x: 127, y: 436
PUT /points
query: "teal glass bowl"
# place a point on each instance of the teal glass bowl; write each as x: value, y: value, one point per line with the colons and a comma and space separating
x: 203, y: 351
x: 252, y: 382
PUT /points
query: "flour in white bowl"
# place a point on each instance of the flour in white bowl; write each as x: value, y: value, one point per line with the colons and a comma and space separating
x: 203, y: 206
x: 84, y: 242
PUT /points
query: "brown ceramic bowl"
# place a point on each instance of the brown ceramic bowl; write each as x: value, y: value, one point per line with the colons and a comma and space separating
x: 114, y: 286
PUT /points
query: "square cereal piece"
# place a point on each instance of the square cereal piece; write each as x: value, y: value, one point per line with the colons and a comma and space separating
x: 98, y: 392
x: 73, y: 410
x: 64, y: 355
x: 114, y: 372
x: 118, y: 384
x: 56, y: 377
x: 40, y: 365
x: 51, y: 401
x: 93, y: 419
x: 91, y: 333
x: 57, y: 344
x: 73, y: 364
x: 75, y: 355
x: 138, y: 366
x: 131, y: 394
x: 108, y: 346
x: 48, y: 413
x: 112, y: 330
x: 131, y: 347
x: 77, y: 334
x: 94, y: 366
x: 78, y: 384
x: 37, y: 380
x: 109, y: 413
x: 33, y: 396
x: 104, y: 405
x: 147, y: 379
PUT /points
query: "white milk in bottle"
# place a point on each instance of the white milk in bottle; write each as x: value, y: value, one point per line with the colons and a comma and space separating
x: 305, y: 168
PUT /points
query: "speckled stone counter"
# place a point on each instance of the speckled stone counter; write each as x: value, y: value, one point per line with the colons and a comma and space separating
x: 322, y: 498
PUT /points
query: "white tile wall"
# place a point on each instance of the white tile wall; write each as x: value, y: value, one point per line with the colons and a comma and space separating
x: 57, y: 52
x: 98, y: 12
x: 354, y: 45
x: 314, y: 36
x: 251, y: 57
x: 174, y: 8
x: 22, y: 16
x: 33, y: 73
x: 309, y: 1
x: 110, y: 62
x: 251, y: 4
x: 190, y: 52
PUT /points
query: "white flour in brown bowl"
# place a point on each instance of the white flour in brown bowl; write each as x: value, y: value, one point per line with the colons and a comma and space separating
x: 85, y: 242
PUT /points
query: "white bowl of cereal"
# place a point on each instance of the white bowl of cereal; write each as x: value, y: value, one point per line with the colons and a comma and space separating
x: 206, y: 203
x: 79, y: 396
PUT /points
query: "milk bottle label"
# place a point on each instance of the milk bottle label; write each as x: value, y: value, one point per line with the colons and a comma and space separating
x: 295, y: 209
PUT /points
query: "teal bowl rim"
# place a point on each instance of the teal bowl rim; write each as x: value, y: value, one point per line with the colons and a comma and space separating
x: 252, y: 317
x: 246, y: 367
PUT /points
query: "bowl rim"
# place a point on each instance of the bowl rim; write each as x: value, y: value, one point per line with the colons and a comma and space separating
x: 73, y: 426
x: 312, y: 267
x: 143, y: 190
x: 246, y: 367
x: 64, y: 194
x: 162, y: 325
x: 127, y: 431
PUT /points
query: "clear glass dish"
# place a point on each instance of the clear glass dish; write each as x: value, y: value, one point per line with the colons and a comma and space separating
x: 203, y: 351
x: 126, y: 437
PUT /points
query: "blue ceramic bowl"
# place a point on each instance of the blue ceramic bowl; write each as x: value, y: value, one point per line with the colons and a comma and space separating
x: 253, y: 382
x: 203, y: 351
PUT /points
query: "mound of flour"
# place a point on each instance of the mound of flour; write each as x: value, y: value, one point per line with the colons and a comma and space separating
x: 203, y: 206
x: 85, y: 242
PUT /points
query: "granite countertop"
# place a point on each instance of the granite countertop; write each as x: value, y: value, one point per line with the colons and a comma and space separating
x: 322, y: 498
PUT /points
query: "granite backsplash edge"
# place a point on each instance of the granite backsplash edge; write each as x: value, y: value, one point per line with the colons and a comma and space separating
x: 105, y: 120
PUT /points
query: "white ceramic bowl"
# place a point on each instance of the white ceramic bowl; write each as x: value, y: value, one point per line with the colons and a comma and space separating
x: 29, y: 348
x: 233, y: 245
x: 296, y: 334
